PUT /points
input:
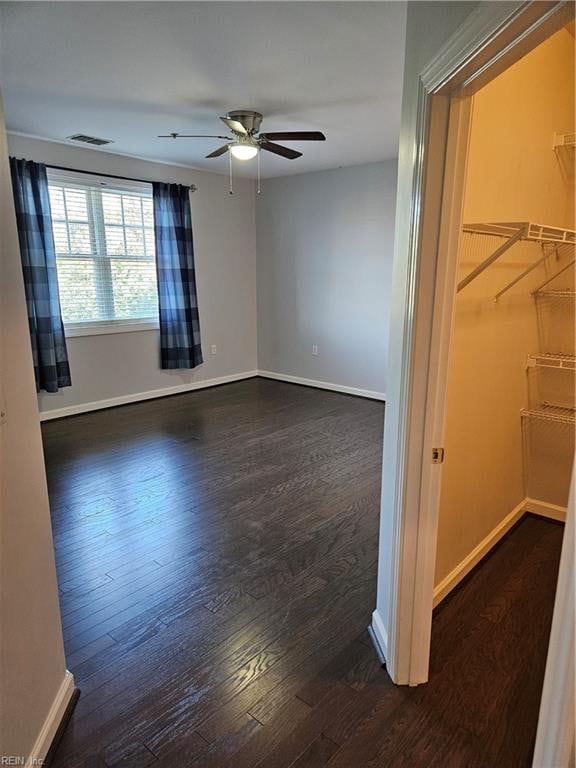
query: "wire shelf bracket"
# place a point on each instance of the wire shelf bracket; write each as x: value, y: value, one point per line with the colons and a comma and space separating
x: 513, y: 232
x: 560, y: 292
x: 511, y: 239
x: 527, y: 271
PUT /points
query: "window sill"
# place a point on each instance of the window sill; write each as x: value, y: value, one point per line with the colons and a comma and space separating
x: 105, y: 329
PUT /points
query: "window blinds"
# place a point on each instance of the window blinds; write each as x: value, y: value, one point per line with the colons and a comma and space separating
x: 104, y: 238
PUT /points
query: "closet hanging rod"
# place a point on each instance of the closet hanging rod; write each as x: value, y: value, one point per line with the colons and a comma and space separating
x: 554, y: 276
x: 558, y: 293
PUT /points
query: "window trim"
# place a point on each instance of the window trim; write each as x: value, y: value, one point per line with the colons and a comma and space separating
x: 108, y: 327
x: 104, y: 327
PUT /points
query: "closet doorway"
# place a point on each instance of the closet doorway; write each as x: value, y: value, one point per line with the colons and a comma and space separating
x: 483, y: 251
x: 509, y: 417
x: 498, y: 423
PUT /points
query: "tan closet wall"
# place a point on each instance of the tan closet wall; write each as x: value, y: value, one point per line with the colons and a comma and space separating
x: 513, y: 175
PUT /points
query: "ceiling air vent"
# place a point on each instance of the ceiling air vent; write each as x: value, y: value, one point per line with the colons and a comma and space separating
x: 96, y: 142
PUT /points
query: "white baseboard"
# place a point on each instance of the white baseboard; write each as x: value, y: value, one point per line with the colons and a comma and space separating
x: 379, y: 637
x: 544, y: 509
x: 323, y: 385
x: 465, y: 566
x: 136, y: 397
x: 96, y: 405
x: 53, y: 720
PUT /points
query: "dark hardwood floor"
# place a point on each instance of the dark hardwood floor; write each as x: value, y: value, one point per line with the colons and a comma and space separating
x: 216, y: 556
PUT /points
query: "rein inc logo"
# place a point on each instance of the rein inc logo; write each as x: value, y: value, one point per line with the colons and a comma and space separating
x: 19, y: 760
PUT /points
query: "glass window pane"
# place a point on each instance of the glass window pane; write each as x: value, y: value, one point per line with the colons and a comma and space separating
x: 134, y: 289
x: 57, y: 203
x: 79, y: 238
x: 76, y: 204
x: 134, y: 241
x: 148, y: 211
x: 77, y: 289
x: 114, y: 233
x: 60, y: 233
x: 112, y: 206
x: 115, y: 241
x: 132, y: 210
x: 150, y: 242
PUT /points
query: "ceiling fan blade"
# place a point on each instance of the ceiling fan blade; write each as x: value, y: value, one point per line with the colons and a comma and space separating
x: 234, y: 125
x: 290, y: 154
x: 191, y: 136
x: 294, y: 136
x: 219, y: 151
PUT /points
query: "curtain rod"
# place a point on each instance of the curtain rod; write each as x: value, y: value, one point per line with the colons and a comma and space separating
x: 193, y: 187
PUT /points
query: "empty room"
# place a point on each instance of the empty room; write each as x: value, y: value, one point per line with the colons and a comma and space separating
x: 218, y: 263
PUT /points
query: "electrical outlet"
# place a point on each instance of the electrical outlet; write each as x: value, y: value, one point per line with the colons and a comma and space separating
x: 315, y: 350
x: 213, y: 349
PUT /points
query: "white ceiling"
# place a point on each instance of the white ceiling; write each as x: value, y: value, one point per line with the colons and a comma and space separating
x: 128, y: 71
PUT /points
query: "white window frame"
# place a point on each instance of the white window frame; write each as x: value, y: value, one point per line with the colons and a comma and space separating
x: 103, y: 327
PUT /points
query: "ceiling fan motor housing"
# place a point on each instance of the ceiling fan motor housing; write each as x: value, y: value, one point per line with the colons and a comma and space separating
x: 248, y: 118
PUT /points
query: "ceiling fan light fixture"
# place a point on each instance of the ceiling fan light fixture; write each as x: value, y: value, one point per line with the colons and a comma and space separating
x: 243, y: 151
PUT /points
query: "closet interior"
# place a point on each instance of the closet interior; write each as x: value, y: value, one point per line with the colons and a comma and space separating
x: 510, y: 422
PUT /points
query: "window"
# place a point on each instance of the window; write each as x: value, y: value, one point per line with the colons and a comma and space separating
x: 104, y: 238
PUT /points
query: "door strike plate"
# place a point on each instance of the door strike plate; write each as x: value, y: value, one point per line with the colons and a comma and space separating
x: 437, y: 455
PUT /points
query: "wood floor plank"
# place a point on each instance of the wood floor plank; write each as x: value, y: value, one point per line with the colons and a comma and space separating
x: 216, y: 555
x: 316, y: 754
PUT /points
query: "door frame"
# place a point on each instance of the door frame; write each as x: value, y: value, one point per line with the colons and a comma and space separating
x: 555, y: 734
x: 491, y: 39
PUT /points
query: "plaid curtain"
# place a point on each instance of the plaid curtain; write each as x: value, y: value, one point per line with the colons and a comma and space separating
x: 32, y: 203
x: 180, y: 345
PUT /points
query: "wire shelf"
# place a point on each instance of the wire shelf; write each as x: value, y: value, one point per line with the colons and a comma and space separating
x: 558, y: 361
x: 547, y: 412
x: 564, y: 140
x: 541, y: 233
x: 513, y: 232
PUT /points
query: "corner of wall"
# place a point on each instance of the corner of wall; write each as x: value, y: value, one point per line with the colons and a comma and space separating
x: 32, y: 662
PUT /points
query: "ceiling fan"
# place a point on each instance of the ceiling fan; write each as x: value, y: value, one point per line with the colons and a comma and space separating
x: 246, y: 141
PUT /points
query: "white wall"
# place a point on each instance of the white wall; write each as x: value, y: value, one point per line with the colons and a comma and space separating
x: 324, y: 243
x: 120, y: 364
x: 323, y: 273
x: 32, y: 667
